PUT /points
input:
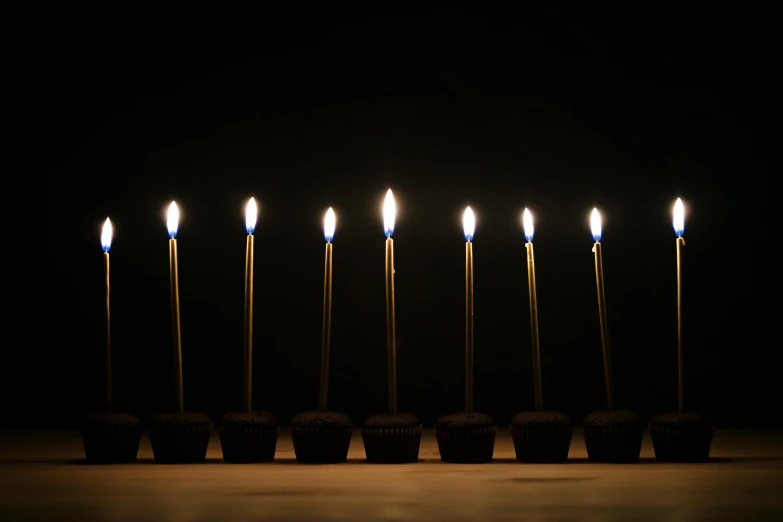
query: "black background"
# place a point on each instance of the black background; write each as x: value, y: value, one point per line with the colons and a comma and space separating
x: 625, y: 111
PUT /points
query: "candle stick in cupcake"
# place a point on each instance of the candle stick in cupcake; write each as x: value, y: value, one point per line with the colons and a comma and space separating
x: 178, y: 437
x: 467, y: 436
x: 469, y: 227
x: 110, y: 436
x: 595, y: 227
x: 106, y: 237
x: 251, y: 216
x: 322, y: 436
x: 326, y: 329
x: 248, y: 436
x: 389, y: 216
x: 679, y: 230
x: 539, y: 436
x: 391, y: 437
x: 172, y: 223
x: 527, y: 223
x: 611, y: 435
x: 681, y: 436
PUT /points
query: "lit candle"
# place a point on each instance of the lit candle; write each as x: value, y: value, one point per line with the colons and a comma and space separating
x: 106, y: 237
x: 527, y: 223
x: 172, y: 223
x: 469, y: 227
x: 595, y: 227
x: 679, y: 229
x: 326, y: 330
x: 251, y: 216
x: 389, y: 215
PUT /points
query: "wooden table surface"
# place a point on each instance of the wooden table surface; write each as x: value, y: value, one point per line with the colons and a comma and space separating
x: 43, y: 477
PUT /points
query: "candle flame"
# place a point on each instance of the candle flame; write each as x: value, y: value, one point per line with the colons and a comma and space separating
x: 106, y: 235
x: 251, y: 216
x: 527, y: 223
x: 679, y: 218
x: 389, y: 213
x: 172, y: 220
x: 595, y: 225
x: 468, y: 224
x: 329, y: 224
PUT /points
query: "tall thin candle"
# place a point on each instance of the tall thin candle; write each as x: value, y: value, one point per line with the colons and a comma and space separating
x: 469, y: 228
x: 389, y: 216
x: 527, y: 222
x: 251, y: 216
x: 679, y: 229
x: 106, y: 237
x: 595, y: 226
x: 172, y: 223
x: 326, y: 330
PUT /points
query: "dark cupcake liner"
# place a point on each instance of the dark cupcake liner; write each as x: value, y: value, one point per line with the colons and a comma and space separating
x: 180, y: 444
x: 466, y: 447
x: 321, y: 445
x: 392, y: 445
x: 614, y: 444
x: 246, y: 444
x: 541, y: 444
x: 111, y: 443
x: 681, y: 443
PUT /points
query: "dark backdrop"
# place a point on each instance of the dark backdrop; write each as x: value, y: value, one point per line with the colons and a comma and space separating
x: 623, y: 111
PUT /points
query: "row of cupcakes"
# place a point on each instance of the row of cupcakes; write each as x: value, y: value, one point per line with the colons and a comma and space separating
x: 323, y: 437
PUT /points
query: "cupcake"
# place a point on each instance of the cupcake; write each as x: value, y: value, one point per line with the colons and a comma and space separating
x: 179, y: 438
x: 681, y: 437
x: 321, y: 437
x: 248, y: 436
x: 111, y: 438
x: 465, y: 437
x: 392, y: 438
x: 541, y: 436
x: 614, y: 436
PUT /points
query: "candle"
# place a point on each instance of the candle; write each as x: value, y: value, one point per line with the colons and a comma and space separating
x: 469, y: 227
x: 172, y: 223
x: 595, y: 226
x: 679, y: 230
x: 106, y: 237
x: 389, y: 215
x: 251, y: 216
x: 326, y: 330
x: 527, y: 223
